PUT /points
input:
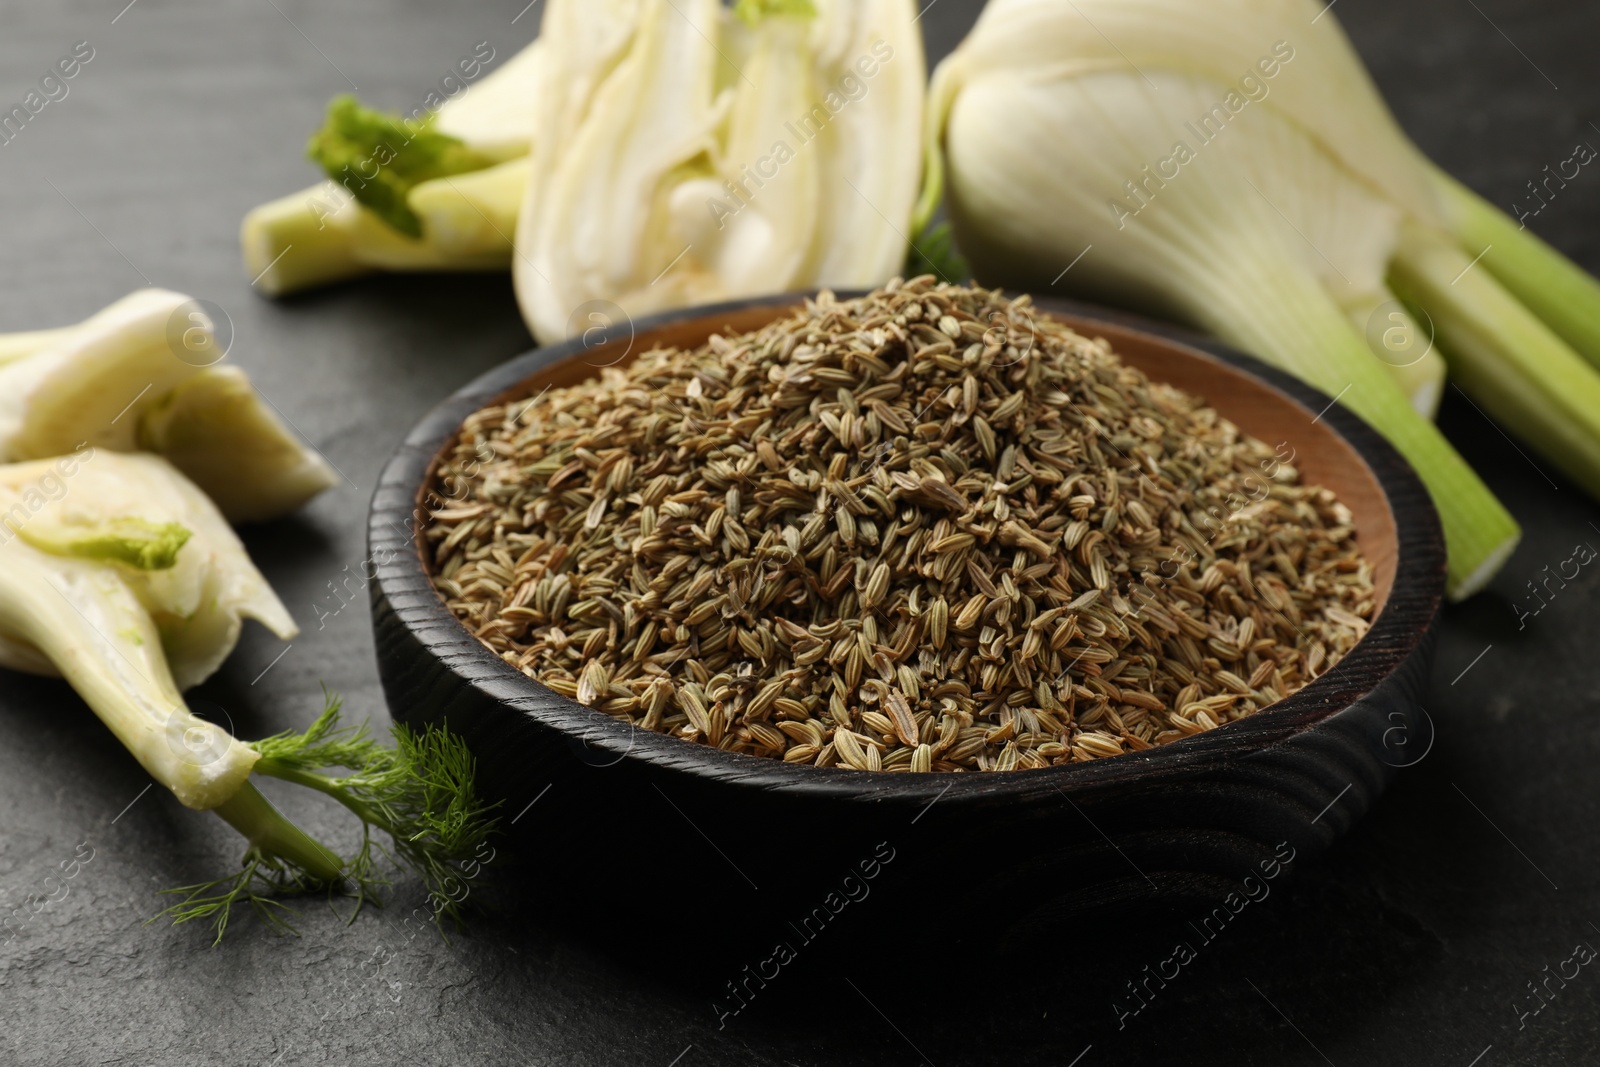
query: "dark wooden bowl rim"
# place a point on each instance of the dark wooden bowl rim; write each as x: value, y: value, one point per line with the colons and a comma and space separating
x: 1402, y: 623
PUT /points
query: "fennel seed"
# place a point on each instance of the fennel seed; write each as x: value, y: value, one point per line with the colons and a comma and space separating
x: 924, y: 530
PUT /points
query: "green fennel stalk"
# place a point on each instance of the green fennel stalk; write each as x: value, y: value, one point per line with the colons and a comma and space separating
x: 1550, y: 285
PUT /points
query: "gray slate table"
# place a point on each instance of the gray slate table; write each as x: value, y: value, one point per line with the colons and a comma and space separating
x: 1410, y: 943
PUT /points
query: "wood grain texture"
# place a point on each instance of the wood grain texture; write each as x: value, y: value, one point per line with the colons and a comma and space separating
x: 618, y: 807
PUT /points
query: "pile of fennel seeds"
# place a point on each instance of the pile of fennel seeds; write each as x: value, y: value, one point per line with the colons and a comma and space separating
x: 927, y: 529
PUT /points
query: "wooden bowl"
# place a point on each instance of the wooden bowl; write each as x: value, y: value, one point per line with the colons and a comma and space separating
x: 618, y: 815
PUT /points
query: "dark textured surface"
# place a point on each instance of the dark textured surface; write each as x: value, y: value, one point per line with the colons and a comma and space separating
x: 1407, y: 943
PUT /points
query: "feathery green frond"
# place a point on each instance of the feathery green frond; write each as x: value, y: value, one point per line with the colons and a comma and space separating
x: 420, y: 793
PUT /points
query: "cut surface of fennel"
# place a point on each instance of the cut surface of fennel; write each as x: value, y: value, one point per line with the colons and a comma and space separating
x: 702, y: 157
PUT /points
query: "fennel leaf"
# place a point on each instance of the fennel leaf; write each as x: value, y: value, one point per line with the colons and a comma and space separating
x: 380, y: 157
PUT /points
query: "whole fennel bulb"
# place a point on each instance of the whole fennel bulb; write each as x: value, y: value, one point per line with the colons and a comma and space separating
x: 1231, y: 164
